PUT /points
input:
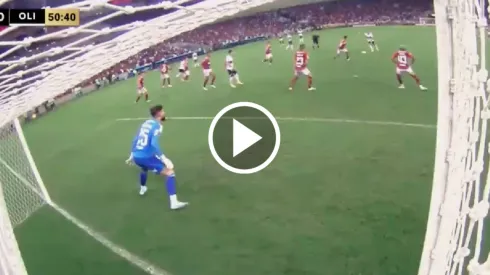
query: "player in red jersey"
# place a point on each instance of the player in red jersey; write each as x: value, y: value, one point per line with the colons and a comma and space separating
x: 164, y: 75
x: 301, y: 68
x: 342, y: 48
x: 141, y: 88
x: 404, y: 60
x: 268, y: 53
x: 208, y: 72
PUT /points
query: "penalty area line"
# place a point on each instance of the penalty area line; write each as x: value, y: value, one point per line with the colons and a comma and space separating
x: 303, y: 119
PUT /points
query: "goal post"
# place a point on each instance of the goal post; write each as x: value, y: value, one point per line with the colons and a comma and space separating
x: 23, y: 189
x: 454, y: 240
x: 27, y: 82
x: 444, y: 106
x: 461, y: 185
x: 43, y: 192
x: 22, y: 192
x: 10, y: 258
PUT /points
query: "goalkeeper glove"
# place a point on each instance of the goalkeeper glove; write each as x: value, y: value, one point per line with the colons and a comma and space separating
x: 129, y: 161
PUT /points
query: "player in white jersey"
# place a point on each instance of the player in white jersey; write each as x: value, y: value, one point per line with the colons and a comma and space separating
x: 281, y: 39
x: 370, y: 39
x: 290, y: 43
x: 301, y: 39
x: 184, y: 70
x: 230, y: 68
x: 194, y: 58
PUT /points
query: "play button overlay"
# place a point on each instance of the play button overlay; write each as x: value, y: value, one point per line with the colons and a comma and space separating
x: 244, y: 138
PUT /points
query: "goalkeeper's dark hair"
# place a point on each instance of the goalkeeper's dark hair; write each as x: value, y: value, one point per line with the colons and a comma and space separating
x: 156, y: 109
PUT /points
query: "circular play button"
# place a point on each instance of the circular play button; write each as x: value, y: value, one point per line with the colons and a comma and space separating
x: 244, y: 138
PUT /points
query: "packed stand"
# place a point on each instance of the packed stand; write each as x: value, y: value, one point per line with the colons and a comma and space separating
x: 86, y: 17
x: 267, y: 24
x: 276, y: 23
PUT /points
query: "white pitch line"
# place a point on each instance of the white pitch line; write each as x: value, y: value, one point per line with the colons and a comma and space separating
x: 117, y: 249
x: 304, y: 119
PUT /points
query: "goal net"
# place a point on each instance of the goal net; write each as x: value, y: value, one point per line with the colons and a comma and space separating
x: 46, y: 68
x: 459, y: 202
x: 22, y: 193
x: 454, y: 241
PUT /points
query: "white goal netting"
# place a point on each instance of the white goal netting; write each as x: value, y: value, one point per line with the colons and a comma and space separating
x: 22, y: 194
x: 37, y: 69
x: 459, y: 202
x: 454, y: 242
x: 54, y: 70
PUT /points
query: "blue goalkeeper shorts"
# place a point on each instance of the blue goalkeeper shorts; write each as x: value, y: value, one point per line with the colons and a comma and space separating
x: 153, y: 164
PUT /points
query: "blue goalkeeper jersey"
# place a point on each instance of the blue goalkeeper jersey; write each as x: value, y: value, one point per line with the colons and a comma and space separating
x: 145, y: 143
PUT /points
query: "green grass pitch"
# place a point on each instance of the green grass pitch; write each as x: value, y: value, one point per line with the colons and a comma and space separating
x: 340, y: 198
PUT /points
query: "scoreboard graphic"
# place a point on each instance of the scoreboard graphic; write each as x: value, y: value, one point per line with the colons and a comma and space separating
x: 39, y: 17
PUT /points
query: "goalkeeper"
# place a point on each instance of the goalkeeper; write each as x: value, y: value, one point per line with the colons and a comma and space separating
x: 146, y: 153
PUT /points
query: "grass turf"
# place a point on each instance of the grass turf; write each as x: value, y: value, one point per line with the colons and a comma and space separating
x: 340, y: 198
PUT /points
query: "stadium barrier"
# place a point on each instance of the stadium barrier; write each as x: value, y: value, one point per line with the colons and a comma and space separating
x: 396, y: 24
x: 157, y: 64
x: 363, y: 25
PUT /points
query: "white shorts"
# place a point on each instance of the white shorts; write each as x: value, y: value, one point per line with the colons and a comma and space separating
x: 142, y: 91
x: 195, y: 59
x: 186, y: 73
x: 407, y: 70
x: 301, y: 40
x: 164, y: 76
x: 207, y: 72
x: 344, y: 50
x: 268, y: 56
x: 305, y: 71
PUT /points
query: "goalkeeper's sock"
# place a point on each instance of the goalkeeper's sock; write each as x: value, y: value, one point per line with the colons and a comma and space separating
x: 172, y: 194
x: 172, y: 189
x: 143, y: 188
x: 143, y: 177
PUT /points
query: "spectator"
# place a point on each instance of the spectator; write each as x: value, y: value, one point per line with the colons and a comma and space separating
x: 267, y: 24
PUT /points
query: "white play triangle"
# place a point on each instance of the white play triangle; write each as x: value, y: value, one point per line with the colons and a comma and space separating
x: 243, y: 138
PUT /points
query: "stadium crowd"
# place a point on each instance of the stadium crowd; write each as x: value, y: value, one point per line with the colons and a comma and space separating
x: 266, y: 24
x: 277, y: 23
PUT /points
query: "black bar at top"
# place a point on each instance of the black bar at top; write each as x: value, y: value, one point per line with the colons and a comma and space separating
x: 4, y: 17
x: 27, y: 16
